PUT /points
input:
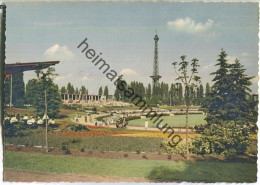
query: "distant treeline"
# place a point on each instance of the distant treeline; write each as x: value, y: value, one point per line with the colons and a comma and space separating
x: 165, y: 94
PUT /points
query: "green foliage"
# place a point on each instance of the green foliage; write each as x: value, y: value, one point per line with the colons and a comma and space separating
x: 63, y: 90
x: 162, y: 94
x: 15, y: 129
x: 35, y: 93
x: 179, y: 149
x: 228, y: 139
x: 99, y: 143
x: 229, y: 98
x: 100, y: 91
x: 78, y: 128
x: 53, y: 100
x: 70, y: 88
x: 151, y: 169
x: 208, y: 89
x: 83, y: 90
x: 106, y: 92
x: 20, y: 129
x: 18, y: 90
x: 65, y: 147
x: 31, y: 91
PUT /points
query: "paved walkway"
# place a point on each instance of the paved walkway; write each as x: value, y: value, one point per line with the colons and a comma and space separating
x: 95, y: 116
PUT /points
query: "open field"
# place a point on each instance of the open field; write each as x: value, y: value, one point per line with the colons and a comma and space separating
x: 153, y: 170
x: 175, y: 121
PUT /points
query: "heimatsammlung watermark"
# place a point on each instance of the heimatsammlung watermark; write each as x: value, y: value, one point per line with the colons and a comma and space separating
x: 136, y: 99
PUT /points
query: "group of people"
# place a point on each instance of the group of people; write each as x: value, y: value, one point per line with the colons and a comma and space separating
x: 104, y: 123
x: 29, y: 120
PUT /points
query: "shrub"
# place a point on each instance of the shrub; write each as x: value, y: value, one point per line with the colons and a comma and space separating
x: 65, y: 147
x: 126, y: 155
x: 82, y: 150
x: 228, y: 139
x: 138, y: 151
x: 78, y: 128
x: 179, y: 149
x: 74, y: 140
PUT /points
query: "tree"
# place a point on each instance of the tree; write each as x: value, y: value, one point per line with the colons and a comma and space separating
x: 18, y: 90
x: 63, y: 90
x: 77, y: 91
x: 31, y: 91
x: 70, y: 88
x: 45, y: 83
x: 106, y: 92
x: 241, y: 110
x: 100, y: 91
x: 217, y: 105
x: 208, y: 90
x: 230, y: 111
x: 200, y: 94
x: 189, y: 80
x: 83, y: 90
x: 117, y: 94
x: 179, y: 94
x: 48, y: 100
x: 149, y: 92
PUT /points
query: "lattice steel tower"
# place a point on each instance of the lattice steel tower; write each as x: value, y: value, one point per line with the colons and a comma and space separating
x: 156, y: 75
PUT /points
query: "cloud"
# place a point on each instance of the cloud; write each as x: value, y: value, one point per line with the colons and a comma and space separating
x: 207, y: 67
x: 85, y: 78
x: 62, y: 77
x: 190, y: 26
x: 57, y: 52
x: 255, y: 79
x: 244, y: 54
x: 128, y: 72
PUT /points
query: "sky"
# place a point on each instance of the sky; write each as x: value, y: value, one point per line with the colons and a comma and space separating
x: 124, y: 33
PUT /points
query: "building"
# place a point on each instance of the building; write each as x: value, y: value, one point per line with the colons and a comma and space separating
x: 78, y: 98
x: 155, y: 77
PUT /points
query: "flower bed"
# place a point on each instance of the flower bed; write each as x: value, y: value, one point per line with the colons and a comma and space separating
x: 63, y: 122
x: 90, y: 133
x: 158, y: 135
x: 94, y: 127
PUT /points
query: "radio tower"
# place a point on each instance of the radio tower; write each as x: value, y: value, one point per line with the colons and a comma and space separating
x: 156, y: 75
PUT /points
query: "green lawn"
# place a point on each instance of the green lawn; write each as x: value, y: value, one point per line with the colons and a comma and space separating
x: 176, y: 120
x: 100, y: 143
x: 163, y: 170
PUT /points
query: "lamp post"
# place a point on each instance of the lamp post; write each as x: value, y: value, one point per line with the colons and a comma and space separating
x: 2, y: 66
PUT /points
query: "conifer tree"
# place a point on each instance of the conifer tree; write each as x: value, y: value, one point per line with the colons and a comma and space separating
x: 208, y: 90
x: 100, y: 91
x: 63, y: 89
x: 217, y: 109
x: 106, y: 92
x: 241, y: 110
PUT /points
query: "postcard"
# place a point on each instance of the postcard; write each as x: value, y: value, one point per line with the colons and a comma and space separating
x: 129, y: 91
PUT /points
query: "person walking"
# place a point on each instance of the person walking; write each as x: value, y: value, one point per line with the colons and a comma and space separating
x: 146, y: 124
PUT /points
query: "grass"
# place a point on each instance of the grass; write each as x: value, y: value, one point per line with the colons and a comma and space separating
x: 100, y: 143
x: 175, y: 121
x: 22, y: 111
x: 154, y: 170
x: 110, y: 108
x: 177, y: 107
